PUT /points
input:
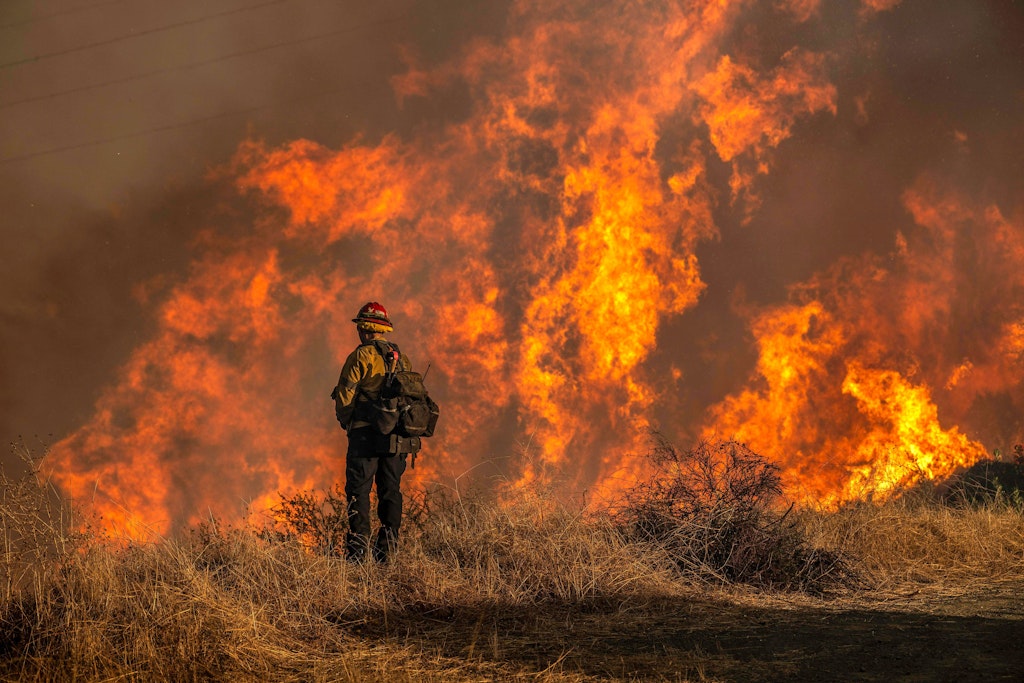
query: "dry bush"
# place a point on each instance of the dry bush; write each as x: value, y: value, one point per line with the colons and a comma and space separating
x: 318, y: 521
x: 716, y: 510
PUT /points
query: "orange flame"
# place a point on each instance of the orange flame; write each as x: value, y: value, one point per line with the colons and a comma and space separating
x: 844, y: 391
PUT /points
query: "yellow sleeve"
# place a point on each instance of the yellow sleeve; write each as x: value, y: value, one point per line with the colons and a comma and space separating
x: 352, y: 373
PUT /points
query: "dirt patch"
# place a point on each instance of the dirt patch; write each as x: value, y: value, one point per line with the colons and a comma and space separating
x: 931, y: 634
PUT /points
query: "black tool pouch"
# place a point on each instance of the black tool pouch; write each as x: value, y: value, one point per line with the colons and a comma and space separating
x: 393, y: 444
x: 385, y: 415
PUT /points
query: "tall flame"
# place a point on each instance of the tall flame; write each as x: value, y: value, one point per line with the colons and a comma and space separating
x: 845, y: 391
x: 532, y: 252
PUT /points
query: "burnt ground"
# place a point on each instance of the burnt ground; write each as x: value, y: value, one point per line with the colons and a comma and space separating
x: 927, y: 634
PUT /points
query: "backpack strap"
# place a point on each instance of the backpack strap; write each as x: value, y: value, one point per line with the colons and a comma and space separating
x: 383, y: 347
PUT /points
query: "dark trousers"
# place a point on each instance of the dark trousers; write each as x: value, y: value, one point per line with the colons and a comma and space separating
x: 363, y: 467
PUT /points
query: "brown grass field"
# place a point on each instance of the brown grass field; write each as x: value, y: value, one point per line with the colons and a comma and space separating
x: 703, y: 577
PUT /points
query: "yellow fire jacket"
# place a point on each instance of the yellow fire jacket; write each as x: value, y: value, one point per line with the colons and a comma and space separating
x: 361, y: 378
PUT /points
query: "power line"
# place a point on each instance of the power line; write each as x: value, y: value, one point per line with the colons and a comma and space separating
x: 150, y: 31
x: 186, y: 124
x: 202, y: 63
x: 53, y: 15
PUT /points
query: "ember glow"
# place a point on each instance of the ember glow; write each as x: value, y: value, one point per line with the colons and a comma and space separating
x: 533, y: 252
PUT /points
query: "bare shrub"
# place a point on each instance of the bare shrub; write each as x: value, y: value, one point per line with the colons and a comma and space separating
x: 716, y: 510
x: 317, y: 520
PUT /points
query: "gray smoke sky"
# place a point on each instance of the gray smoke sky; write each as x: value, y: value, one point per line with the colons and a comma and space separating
x: 113, y: 111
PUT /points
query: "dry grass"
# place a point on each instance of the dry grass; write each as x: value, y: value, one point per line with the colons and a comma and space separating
x: 917, y: 539
x: 35, y: 525
x: 484, y: 588
x: 230, y: 605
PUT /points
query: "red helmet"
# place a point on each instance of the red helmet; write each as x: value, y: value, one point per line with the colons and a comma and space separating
x: 373, y: 313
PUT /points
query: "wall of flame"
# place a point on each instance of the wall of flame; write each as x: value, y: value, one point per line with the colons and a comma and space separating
x: 532, y: 252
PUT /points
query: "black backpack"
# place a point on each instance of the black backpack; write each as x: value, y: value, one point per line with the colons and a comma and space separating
x: 403, y: 413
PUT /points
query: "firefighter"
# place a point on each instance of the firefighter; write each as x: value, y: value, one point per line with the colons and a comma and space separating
x: 360, y: 383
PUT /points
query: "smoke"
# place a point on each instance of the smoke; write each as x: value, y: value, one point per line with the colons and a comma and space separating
x: 795, y: 223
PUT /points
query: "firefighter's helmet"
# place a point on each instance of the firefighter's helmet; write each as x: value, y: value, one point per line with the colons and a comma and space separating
x: 373, y: 315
